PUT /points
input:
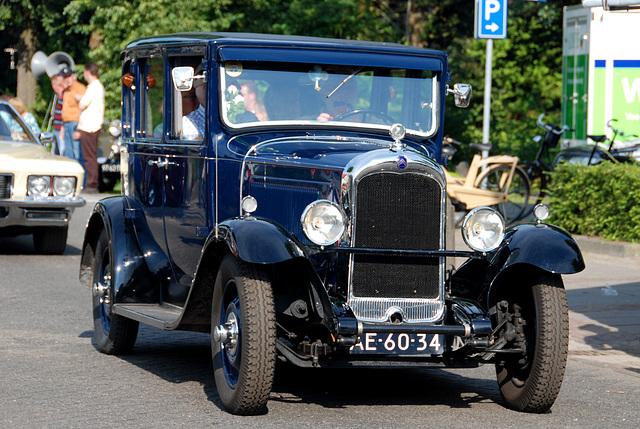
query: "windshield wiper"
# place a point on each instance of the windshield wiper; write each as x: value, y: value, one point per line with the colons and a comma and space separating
x: 355, y: 72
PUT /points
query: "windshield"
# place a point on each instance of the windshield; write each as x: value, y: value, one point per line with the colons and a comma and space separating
x: 328, y: 95
x: 12, y: 128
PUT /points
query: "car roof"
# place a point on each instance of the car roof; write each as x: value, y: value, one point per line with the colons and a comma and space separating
x: 274, y: 40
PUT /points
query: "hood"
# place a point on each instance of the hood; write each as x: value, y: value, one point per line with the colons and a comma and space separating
x: 333, y: 152
x: 34, y: 158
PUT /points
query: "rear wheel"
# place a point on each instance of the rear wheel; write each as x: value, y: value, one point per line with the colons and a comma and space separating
x: 536, y: 321
x: 495, y: 178
x: 50, y: 240
x: 243, y: 336
x: 115, y: 334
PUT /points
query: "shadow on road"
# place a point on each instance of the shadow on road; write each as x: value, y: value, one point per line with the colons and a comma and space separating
x: 179, y: 357
x: 23, y: 245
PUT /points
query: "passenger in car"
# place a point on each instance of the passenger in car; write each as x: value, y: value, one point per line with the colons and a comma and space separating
x: 283, y: 102
x: 249, y: 93
x: 193, y: 124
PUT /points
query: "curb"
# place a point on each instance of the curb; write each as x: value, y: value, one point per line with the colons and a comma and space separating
x: 620, y: 249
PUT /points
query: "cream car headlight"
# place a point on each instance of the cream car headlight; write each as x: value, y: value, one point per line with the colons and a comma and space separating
x: 483, y: 229
x: 323, y: 222
x: 64, y: 186
x: 38, y: 186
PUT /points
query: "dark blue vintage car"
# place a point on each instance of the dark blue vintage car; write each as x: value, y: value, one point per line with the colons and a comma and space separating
x: 286, y: 195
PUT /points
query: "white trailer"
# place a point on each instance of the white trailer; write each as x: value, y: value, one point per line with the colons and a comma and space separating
x: 600, y: 71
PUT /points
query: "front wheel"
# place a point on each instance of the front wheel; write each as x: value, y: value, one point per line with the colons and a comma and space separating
x: 50, y: 240
x: 243, y: 333
x: 536, y: 321
x: 115, y: 334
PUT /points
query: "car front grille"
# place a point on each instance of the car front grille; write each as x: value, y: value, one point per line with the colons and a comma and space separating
x: 397, y: 211
x: 5, y: 185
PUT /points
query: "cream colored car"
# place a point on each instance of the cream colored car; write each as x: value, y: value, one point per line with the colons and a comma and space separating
x: 38, y: 190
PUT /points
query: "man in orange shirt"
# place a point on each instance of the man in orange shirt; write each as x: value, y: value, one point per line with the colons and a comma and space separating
x: 71, y: 114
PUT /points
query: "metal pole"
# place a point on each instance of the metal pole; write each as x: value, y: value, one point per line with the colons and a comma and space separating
x: 486, y: 122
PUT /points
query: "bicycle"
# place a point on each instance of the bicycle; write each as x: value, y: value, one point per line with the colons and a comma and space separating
x: 598, y: 152
x: 493, y: 181
x: 538, y: 170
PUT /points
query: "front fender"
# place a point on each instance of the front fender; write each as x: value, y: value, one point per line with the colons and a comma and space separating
x: 132, y: 280
x: 259, y: 241
x: 547, y: 247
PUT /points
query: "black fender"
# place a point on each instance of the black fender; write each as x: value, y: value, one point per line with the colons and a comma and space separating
x: 532, y: 247
x: 525, y: 248
x: 262, y: 241
x: 547, y: 247
x: 259, y: 241
x: 132, y: 280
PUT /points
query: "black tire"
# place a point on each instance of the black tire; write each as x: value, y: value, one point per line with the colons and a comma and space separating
x: 517, y: 195
x: 50, y: 240
x: 115, y: 334
x: 538, y: 186
x: 531, y: 381
x: 244, y: 369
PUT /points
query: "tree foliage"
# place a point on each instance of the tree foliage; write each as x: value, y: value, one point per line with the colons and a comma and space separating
x: 526, y: 67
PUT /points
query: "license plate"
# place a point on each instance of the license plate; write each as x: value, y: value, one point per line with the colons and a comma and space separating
x: 398, y: 344
x: 110, y: 168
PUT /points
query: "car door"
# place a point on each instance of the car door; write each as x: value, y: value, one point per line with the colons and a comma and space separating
x: 184, y: 183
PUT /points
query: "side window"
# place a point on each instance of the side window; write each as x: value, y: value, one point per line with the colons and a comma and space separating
x: 153, y: 92
x: 128, y: 99
x: 187, y: 107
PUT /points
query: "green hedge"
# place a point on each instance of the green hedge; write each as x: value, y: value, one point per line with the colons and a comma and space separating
x: 601, y: 200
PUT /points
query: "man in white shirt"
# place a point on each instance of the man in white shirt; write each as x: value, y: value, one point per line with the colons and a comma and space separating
x: 90, y: 124
x: 193, y: 124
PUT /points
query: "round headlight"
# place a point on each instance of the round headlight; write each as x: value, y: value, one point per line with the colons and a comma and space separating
x: 323, y: 222
x: 38, y: 186
x: 64, y: 186
x: 483, y: 229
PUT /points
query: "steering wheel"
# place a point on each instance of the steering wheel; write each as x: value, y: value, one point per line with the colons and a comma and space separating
x: 388, y: 119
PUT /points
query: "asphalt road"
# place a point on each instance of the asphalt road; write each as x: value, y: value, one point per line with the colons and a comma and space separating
x: 52, y: 376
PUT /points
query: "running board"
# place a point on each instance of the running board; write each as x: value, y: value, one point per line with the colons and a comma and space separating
x: 163, y: 316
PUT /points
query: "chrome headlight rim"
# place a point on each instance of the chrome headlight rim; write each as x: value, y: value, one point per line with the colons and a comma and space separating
x: 64, y: 186
x: 477, y: 223
x: 323, y: 222
x: 38, y: 185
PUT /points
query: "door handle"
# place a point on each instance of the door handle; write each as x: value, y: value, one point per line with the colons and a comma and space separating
x: 161, y: 163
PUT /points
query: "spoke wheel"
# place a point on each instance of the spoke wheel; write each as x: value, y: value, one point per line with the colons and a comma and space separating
x: 537, y: 321
x: 495, y: 179
x: 243, y: 337
x: 115, y: 334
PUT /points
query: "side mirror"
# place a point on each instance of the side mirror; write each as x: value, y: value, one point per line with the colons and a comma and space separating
x: 48, y: 140
x: 182, y: 78
x: 461, y: 94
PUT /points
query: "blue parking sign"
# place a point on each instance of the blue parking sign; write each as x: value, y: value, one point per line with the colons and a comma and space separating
x: 491, y: 19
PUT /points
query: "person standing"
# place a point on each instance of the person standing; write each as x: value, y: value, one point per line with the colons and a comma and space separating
x: 58, y: 124
x: 71, y: 114
x: 91, y: 106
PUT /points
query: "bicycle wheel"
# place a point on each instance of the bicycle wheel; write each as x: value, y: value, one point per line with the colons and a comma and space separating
x: 538, y: 186
x: 495, y: 178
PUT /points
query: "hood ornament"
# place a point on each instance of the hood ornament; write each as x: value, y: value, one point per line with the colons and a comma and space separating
x: 397, y: 133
